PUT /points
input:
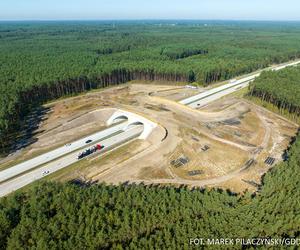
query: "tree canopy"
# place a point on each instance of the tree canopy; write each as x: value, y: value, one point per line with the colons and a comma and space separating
x: 281, y: 88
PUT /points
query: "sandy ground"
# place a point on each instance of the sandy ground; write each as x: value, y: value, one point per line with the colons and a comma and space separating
x: 234, y: 130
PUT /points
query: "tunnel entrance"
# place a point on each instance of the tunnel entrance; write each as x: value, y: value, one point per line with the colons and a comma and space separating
x: 134, y: 124
x: 119, y: 119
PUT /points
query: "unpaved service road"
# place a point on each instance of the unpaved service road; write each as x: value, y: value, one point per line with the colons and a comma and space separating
x: 215, y: 142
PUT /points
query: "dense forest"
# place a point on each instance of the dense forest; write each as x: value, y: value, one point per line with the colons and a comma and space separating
x: 41, y: 61
x: 281, y: 88
x: 69, y: 216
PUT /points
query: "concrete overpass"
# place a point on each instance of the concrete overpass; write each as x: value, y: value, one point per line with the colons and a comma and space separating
x: 124, y: 126
x: 132, y: 119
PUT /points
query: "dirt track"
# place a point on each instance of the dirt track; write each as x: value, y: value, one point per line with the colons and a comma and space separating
x: 234, y: 129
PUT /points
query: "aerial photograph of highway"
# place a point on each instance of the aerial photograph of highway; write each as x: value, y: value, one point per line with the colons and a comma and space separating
x: 149, y: 124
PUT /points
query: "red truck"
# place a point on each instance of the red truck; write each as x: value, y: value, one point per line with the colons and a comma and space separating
x: 90, y: 151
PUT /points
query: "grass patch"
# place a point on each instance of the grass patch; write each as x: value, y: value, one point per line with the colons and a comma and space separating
x: 121, y: 152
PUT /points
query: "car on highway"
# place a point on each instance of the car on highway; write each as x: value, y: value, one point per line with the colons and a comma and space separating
x: 190, y: 87
x: 88, y: 141
x: 46, y: 172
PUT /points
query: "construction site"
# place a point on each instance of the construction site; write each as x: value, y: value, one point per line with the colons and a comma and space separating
x: 229, y: 143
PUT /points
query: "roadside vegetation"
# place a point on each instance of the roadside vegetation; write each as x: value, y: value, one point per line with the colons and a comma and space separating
x: 44, y: 61
x: 281, y: 89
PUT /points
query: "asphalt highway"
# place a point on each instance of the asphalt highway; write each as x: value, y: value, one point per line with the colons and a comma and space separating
x: 57, y: 153
x: 211, y: 95
x: 69, y: 159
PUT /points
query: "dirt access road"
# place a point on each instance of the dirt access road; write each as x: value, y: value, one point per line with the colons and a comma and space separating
x: 234, y: 129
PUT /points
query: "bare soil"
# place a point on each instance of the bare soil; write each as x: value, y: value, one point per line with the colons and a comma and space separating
x: 235, y: 131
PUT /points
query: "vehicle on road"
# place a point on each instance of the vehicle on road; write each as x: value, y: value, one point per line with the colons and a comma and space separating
x: 191, y: 87
x: 90, y: 151
x: 46, y: 172
x: 88, y: 141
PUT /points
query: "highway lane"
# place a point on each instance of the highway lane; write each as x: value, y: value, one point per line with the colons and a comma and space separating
x: 285, y: 65
x: 211, y: 95
x: 57, y: 153
x: 210, y: 92
x: 208, y: 99
x: 109, y: 143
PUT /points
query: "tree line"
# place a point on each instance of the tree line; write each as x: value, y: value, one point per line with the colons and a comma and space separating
x: 281, y: 88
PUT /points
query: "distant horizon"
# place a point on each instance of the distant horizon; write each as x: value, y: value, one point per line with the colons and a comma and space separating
x: 88, y: 10
x: 153, y: 19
